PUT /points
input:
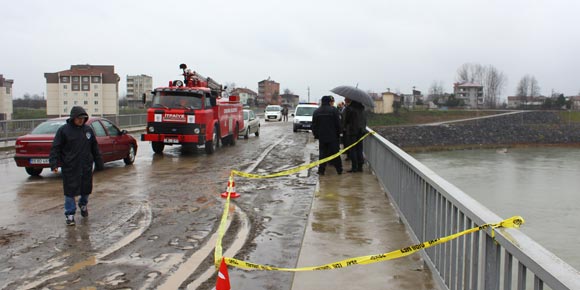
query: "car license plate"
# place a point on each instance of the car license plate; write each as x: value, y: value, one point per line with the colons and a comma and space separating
x: 306, y: 125
x: 171, y: 140
x: 271, y: 117
x: 39, y: 161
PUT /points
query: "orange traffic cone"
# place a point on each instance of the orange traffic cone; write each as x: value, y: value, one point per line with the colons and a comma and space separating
x: 231, y: 189
x: 223, y: 278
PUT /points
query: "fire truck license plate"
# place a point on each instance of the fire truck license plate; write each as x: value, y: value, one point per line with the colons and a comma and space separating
x: 171, y: 140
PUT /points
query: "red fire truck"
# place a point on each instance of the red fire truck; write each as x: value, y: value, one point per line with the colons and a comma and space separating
x: 192, y: 113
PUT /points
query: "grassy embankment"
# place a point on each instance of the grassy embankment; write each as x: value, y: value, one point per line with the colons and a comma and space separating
x: 422, y: 117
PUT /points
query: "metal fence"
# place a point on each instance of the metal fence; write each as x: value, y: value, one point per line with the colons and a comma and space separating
x: 10, y: 130
x: 431, y: 207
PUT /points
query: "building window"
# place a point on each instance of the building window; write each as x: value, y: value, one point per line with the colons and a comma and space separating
x: 65, y: 110
x: 65, y: 87
x: 86, y: 94
x: 96, y: 102
x: 75, y: 87
x: 75, y: 79
x: 85, y: 79
x: 65, y: 103
x: 8, y: 90
x: 86, y: 87
x: 96, y: 110
x: 64, y: 79
x: 96, y: 94
x: 75, y: 102
x: 86, y: 102
x: 95, y: 87
x: 65, y: 94
x: 95, y: 79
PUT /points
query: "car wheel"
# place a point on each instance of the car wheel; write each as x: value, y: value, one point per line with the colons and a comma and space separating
x: 247, y: 134
x: 33, y: 171
x: 131, y: 156
x: 257, y: 131
x: 157, y: 147
x: 211, y: 146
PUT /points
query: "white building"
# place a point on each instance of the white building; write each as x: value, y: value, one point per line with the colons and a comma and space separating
x: 93, y: 87
x: 5, y: 98
x: 137, y: 86
x: 470, y: 93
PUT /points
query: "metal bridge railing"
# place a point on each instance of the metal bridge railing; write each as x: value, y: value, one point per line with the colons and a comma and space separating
x: 11, y: 129
x: 431, y: 207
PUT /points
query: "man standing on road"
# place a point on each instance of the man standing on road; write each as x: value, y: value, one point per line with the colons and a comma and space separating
x: 285, y: 113
x: 326, y: 128
x: 354, y: 128
x: 75, y: 149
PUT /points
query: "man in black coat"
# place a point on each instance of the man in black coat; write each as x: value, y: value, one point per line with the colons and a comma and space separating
x: 75, y: 149
x: 326, y: 128
x: 354, y: 128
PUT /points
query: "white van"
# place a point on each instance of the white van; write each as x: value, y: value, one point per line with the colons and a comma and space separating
x: 303, y: 116
x: 273, y: 112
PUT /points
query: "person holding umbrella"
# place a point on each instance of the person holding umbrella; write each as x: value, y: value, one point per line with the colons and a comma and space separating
x: 354, y: 121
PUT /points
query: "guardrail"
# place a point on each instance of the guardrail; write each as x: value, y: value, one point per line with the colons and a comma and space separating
x: 10, y: 130
x: 431, y: 207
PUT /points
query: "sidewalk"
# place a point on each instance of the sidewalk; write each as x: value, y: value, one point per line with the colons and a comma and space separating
x: 350, y: 217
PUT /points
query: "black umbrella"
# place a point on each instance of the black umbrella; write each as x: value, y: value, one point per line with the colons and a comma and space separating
x: 354, y: 94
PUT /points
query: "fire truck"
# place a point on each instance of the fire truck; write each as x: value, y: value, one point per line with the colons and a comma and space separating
x: 192, y: 113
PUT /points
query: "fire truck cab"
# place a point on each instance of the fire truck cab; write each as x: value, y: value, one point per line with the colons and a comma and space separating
x: 192, y: 112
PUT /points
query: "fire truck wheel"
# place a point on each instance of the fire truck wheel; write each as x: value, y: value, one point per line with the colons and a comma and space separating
x: 211, y: 145
x: 235, y: 135
x: 157, y: 147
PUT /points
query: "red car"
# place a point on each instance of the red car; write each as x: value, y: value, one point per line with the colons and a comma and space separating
x: 33, y: 149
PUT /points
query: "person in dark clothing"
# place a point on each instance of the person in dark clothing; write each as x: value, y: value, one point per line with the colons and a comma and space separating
x: 326, y: 128
x: 75, y: 149
x: 285, y: 114
x: 354, y: 128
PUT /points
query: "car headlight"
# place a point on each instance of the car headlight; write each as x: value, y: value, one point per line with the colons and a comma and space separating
x: 196, y: 131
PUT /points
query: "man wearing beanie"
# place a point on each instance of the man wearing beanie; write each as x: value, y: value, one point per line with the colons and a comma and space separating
x: 326, y: 128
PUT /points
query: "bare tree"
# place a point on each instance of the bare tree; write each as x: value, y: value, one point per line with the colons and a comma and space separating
x: 470, y: 72
x: 287, y: 91
x: 528, y: 87
x: 436, y: 90
x: 492, y: 80
x: 494, y: 83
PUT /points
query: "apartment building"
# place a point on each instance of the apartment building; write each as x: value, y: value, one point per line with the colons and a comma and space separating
x: 269, y: 92
x: 5, y: 98
x: 247, y: 96
x: 137, y: 86
x: 93, y: 87
x: 470, y: 93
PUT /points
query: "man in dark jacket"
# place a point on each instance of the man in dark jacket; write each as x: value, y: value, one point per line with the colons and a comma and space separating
x: 354, y: 128
x: 75, y: 149
x: 326, y: 128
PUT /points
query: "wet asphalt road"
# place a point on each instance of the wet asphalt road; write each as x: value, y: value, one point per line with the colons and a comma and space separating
x: 151, y: 224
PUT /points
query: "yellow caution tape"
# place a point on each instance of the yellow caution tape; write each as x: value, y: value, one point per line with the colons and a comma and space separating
x: 222, y: 228
x: 300, y: 168
x: 513, y: 222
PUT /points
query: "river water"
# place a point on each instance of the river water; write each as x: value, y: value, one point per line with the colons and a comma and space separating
x: 540, y: 184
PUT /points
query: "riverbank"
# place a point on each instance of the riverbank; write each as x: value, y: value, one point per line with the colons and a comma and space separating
x: 535, y: 128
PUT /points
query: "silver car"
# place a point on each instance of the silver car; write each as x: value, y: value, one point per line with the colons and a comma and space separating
x: 251, y: 124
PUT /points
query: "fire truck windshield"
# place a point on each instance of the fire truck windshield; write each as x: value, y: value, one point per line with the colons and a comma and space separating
x: 177, y: 100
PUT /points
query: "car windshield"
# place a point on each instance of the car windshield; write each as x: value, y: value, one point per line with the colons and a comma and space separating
x: 246, y: 115
x: 273, y: 109
x: 305, y: 111
x: 48, y: 127
x: 177, y: 100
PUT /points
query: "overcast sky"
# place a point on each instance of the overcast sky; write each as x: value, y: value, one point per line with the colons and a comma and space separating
x: 298, y: 43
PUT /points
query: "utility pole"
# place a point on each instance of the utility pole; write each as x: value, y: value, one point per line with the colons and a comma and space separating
x: 309, y: 94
